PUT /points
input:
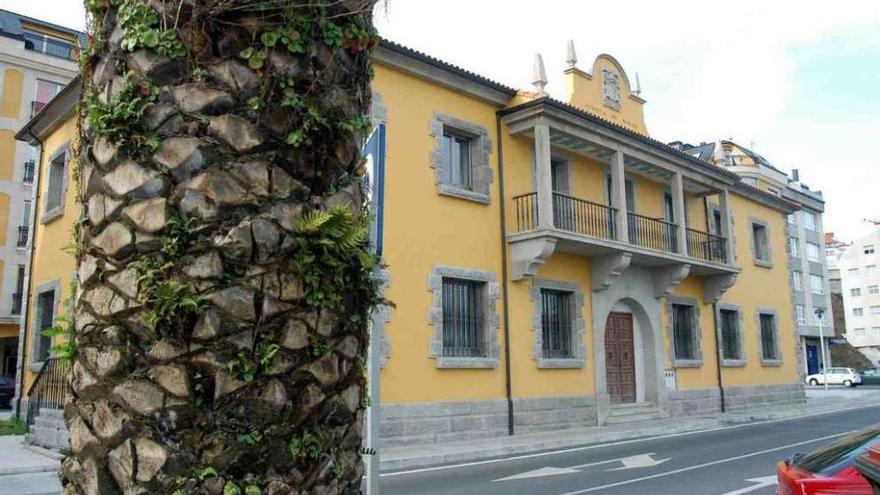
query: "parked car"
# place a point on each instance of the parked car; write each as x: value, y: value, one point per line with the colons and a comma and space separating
x: 870, y: 376
x: 830, y: 469
x: 7, y: 391
x: 836, y: 376
x: 868, y: 465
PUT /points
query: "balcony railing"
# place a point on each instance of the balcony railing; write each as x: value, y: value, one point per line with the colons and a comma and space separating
x: 705, y: 246
x: 526, y: 206
x: 16, y: 303
x: 36, y: 106
x: 23, y: 237
x: 49, y: 46
x: 29, y: 168
x: 652, y: 233
x: 583, y: 217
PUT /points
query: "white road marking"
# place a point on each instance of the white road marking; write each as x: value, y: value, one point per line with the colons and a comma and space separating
x: 611, y: 444
x: 762, y: 482
x: 629, y: 462
x: 703, y: 465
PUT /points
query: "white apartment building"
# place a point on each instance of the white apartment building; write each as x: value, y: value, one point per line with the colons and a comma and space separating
x: 860, y: 281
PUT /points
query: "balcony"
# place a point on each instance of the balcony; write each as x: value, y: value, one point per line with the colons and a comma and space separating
x: 29, y: 169
x: 23, y: 235
x: 49, y: 46
x: 16, y: 303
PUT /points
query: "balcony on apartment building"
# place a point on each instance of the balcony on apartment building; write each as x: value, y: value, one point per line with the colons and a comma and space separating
x: 53, y: 47
x: 23, y: 235
x: 16, y: 303
x: 29, y: 169
x: 545, y: 220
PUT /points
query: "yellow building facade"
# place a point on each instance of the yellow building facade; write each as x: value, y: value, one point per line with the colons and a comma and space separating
x: 551, y: 264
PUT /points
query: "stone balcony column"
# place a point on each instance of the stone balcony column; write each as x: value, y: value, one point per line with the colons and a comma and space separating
x: 678, y: 211
x: 618, y: 197
x: 726, y: 227
x: 543, y: 179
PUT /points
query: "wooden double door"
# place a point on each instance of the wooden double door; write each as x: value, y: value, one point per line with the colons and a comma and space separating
x: 620, y: 363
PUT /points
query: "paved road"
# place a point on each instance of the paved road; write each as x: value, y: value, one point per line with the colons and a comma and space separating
x: 715, y: 462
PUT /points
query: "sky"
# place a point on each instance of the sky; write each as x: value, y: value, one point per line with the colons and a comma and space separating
x: 799, y: 81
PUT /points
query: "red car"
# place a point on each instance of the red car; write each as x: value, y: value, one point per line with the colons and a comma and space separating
x: 830, y: 470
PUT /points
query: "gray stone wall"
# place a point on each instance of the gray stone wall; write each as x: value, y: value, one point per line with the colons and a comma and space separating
x: 750, y: 397
x: 693, y: 402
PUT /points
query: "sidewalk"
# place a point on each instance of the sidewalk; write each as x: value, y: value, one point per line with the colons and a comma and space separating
x: 420, y: 456
x: 25, y: 470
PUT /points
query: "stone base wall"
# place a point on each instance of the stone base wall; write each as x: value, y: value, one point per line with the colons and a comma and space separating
x: 438, y: 422
x: 736, y: 399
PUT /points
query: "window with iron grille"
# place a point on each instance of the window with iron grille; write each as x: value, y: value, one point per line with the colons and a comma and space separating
x: 730, y: 334
x: 556, y: 324
x: 463, y: 317
x: 683, y: 331
x: 769, y: 351
x: 46, y: 320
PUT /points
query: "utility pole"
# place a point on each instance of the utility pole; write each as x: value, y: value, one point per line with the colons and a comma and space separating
x: 820, y: 316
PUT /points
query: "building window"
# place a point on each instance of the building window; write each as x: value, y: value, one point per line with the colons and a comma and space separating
x: 855, y: 292
x: 869, y: 249
x: 875, y: 331
x: 853, y: 272
x: 558, y: 323
x: 465, y: 318
x: 792, y: 219
x: 794, y: 246
x: 813, y: 251
x: 55, y: 187
x: 685, y: 333
x: 875, y: 310
x: 873, y: 289
x: 871, y: 269
x: 797, y: 280
x: 731, y: 348
x: 809, y: 220
x: 49, y: 45
x: 461, y: 158
x: 858, y: 331
x: 858, y: 312
x: 816, y: 285
x: 45, y: 92
x: 769, y: 340
x: 760, y: 243
x: 801, y: 313
x: 46, y: 307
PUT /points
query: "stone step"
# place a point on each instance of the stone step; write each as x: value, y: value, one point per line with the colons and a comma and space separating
x: 637, y: 417
x: 635, y: 408
x: 49, y: 423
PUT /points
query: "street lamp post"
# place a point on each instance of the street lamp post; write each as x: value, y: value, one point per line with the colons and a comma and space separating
x: 820, y: 316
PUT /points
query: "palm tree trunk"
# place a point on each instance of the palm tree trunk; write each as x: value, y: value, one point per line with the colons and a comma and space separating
x: 225, y: 277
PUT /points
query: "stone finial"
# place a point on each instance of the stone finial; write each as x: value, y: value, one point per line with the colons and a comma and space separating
x: 539, y: 75
x: 571, y: 58
x: 638, y: 90
x: 718, y: 153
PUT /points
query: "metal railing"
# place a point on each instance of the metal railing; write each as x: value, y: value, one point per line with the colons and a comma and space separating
x: 48, y: 389
x: 583, y: 217
x: 706, y: 246
x: 23, y: 235
x: 16, y: 303
x: 49, y: 46
x: 36, y: 106
x: 526, y: 206
x: 29, y: 169
x: 652, y: 233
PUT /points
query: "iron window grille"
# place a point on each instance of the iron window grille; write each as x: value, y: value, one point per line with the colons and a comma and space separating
x: 729, y: 334
x: 683, y: 331
x: 463, y: 317
x: 556, y: 324
x: 768, y: 338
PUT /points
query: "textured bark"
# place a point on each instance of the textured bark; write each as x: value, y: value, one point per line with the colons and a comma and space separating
x: 246, y: 379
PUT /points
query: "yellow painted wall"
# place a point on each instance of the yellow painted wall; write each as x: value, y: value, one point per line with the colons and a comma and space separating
x: 585, y: 91
x: 423, y: 229
x: 704, y: 376
x: 10, y: 103
x: 51, y: 261
x: 7, y: 155
x: 49, y: 32
x: 757, y: 287
x: 528, y: 380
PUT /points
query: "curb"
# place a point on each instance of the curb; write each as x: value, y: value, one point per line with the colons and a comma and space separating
x: 487, y: 454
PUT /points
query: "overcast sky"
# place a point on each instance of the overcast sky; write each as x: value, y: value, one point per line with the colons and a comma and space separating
x: 799, y: 80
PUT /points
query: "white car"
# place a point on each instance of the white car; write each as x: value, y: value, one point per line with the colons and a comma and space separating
x: 847, y: 377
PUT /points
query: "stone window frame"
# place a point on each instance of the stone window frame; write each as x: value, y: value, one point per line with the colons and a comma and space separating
x: 715, y: 207
x: 481, y: 148
x: 740, y: 330
x: 777, y: 344
x: 53, y: 286
x: 491, y: 320
x: 58, y: 210
x: 578, y: 327
x: 766, y: 263
x: 697, y: 361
